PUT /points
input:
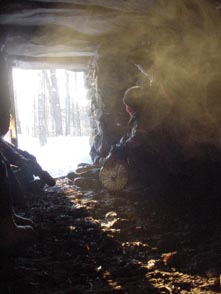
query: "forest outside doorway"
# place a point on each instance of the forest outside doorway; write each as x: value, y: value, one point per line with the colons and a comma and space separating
x: 52, y: 117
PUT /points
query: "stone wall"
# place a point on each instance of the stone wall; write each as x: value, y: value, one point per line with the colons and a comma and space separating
x: 176, y: 74
x: 108, y: 118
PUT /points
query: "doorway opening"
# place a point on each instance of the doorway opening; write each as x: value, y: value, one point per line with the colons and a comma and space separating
x: 52, y: 117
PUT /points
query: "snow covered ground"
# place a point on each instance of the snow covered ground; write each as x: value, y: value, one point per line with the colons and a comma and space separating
x: 61, y: 154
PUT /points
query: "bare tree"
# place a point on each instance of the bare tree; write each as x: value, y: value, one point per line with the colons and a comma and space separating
x: 19, y: 130
x: 67, y: 105
x: 78, y: 119
x: 42, y: 117
x: 52, y: 87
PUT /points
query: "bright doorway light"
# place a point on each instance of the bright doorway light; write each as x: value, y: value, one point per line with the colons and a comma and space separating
x: 52, y: 117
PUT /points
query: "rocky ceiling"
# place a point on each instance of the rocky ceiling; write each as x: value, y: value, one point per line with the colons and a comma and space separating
x: 71, y: 31
x: 65, y: 31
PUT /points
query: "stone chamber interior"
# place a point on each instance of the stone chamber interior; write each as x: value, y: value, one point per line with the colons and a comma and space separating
x: 144, y: 217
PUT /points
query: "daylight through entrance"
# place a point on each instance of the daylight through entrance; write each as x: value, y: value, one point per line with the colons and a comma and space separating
x: 52, y: 117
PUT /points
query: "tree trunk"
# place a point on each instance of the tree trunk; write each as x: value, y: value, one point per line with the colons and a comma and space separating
x: 67, y: 105
x: 42, y: 125
x: 77, y: 119
x: 17, y: 113
x: 51, y: 82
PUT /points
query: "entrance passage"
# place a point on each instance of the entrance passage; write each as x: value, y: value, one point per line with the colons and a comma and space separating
x: 52, y: 117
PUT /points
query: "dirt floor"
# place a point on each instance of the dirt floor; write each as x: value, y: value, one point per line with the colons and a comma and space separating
x: 94, y: 241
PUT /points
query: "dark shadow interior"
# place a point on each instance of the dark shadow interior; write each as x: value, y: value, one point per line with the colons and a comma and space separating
x: 144, y: 215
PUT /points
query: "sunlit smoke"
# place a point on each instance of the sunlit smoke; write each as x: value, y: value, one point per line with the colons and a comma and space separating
x: 177, y: 43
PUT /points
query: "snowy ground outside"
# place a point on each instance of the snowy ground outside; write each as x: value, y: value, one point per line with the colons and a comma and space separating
x: 60, y: 155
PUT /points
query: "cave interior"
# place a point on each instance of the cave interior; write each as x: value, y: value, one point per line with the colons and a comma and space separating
x: 144, y: 217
